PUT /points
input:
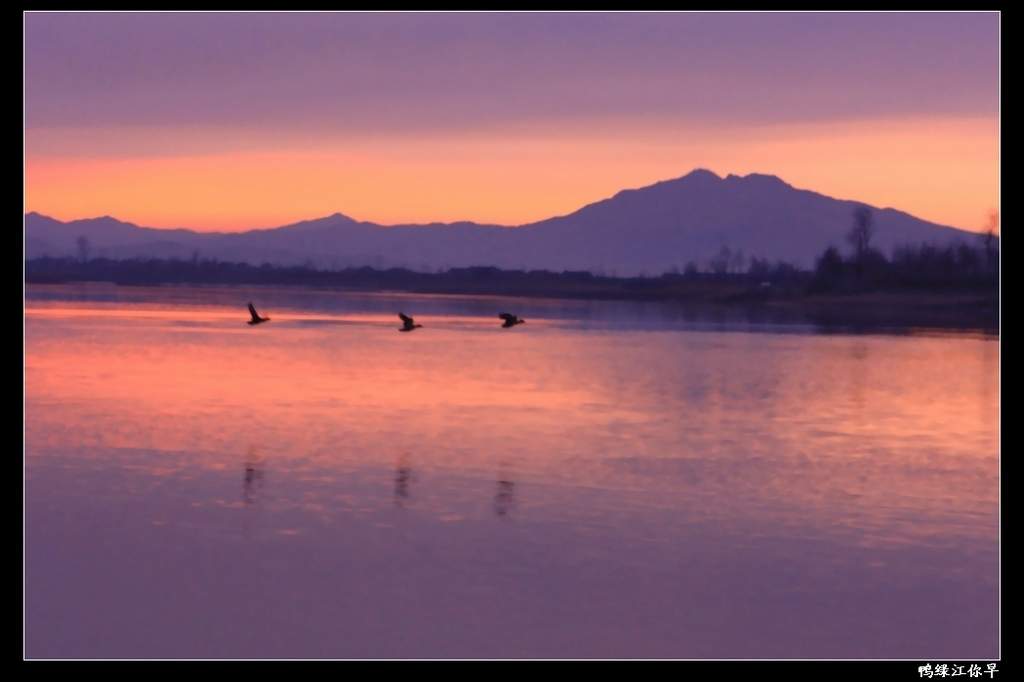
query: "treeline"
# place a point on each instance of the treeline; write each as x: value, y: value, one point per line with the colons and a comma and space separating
x: 478, y: 280
x: 730, y: 276
x: 921, y: 267
x: 961, y: 266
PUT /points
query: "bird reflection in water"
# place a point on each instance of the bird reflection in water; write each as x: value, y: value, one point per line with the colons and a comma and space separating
x: 504, y: 497
x: 403, y: 477
x: 253, y: 479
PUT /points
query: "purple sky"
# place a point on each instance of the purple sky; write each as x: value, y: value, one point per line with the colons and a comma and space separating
x: 127, y: 86
x: 411, y: 71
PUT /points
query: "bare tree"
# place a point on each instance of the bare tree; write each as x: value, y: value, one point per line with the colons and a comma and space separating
x: 988, y: 239
x: 83, y: 247
x: 720, y: 263
x: 860, y: 234
x: 737, y: 261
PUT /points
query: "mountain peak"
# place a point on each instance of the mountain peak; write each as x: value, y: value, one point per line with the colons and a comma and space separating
x: 698, y: 176
x: 333, y: 219
x: 36, y: 215
x: 650, y: 229
x: 701, y: 174
x: 758, y: 178
x: 105, y: 220
x: 330, y: 221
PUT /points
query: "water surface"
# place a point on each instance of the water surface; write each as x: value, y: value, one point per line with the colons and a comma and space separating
x: 607, y: 480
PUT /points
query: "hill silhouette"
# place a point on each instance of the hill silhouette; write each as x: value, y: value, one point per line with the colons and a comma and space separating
x: 649, y: 230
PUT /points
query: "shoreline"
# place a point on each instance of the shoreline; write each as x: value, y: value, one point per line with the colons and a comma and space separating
x: 958, y: 310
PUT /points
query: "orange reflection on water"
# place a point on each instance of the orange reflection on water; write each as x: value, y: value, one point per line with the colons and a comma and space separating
x: 863, y: 436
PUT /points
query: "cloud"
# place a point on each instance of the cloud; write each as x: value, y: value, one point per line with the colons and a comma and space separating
x: 441, y: 71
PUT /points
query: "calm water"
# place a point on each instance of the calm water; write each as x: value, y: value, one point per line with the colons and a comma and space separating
x: 607, y: 480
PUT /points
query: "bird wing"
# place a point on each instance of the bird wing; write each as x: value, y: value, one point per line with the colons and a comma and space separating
x: 507, y: 316
x: 405, y: 318
x: 252, y: 311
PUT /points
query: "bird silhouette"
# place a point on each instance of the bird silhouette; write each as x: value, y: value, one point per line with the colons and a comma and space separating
x: 407, y: 323
x: 256, y: 319
x: 510, y: 320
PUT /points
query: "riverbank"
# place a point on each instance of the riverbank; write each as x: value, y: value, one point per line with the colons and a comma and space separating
x: 789, y: 297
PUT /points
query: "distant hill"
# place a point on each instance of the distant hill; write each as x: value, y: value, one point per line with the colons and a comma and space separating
x: 640, y: 231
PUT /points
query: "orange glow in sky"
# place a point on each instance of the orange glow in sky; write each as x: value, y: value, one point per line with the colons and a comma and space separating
x: 942, y: 169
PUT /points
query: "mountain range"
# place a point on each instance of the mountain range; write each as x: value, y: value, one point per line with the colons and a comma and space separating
x: 649, y: 230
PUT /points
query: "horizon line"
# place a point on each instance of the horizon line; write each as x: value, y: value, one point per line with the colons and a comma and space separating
x: 699, y: 170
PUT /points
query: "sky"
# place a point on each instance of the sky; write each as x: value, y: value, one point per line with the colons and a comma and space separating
x: 233, y: 121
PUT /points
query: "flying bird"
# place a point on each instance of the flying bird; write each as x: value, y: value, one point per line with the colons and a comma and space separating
x: 407, y: 323
x: 256, y: 319
x: 510, y: 320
